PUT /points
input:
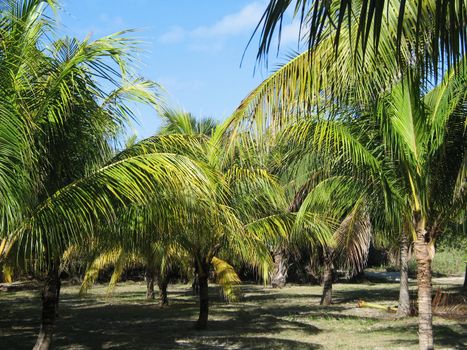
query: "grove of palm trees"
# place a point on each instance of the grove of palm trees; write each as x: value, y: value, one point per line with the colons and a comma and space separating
x: 327, y: 211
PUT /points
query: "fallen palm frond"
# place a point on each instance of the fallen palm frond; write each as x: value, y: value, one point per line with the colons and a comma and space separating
x: 449, y: 305
x: 362, y: 303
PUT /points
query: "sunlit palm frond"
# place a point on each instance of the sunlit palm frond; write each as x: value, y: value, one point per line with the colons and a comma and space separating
x: 436, y: 29
x: 103, y: 260
x: 74, y: 211
x: 193, y: 146
x: 227, y: 278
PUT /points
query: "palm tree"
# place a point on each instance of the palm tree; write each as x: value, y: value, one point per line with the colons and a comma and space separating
x: 425, y: 132
x: 157, y: 259
x: 407, y: 134
x: 20, y: 61
x: 406, y: 45
x: 245, y: 215
x: 177, y: 122
x: 64, y: 123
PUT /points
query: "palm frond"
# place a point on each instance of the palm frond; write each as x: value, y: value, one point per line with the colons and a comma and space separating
x: 436, y: 29
x: 103, y: 260
x: 227, y: 278
x: 353, y: 238
x: 74, y: 211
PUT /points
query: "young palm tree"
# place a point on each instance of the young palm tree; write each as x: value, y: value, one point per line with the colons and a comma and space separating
x: 245, y: 215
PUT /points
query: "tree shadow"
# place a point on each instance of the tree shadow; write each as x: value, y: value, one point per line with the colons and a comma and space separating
x: 124, y: 322
x: 444, y: 335
x: 265, y: 319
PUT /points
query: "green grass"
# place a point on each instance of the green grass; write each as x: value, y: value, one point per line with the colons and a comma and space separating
x: 265, y: 318
x: 450, y: 262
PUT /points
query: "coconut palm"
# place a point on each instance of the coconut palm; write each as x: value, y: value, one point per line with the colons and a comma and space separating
x: 20, y: 61
x: 349, y: 251
x: 157, y: 259
x: 411, y: 131
x: 246, y: 215
x: 177, y: 122
x: 426, y: 132
x: 66, y: 123
x: 331, y: 186
x: 410, y: 48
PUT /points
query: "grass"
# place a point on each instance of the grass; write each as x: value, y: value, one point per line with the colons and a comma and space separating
x: 265, y: 318
x: 450, y: 262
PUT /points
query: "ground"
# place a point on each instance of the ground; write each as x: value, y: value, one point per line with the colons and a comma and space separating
x: 265, y: 318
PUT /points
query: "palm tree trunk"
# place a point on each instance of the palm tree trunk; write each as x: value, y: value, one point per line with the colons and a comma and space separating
x: 279, y: 274
x: 326, y: 297
x: 403, y: 309
x: 50, y: 297
x: 203, y: 274
x: 162, y: 284
x: 150, y: 277
x: 424, y: 257
x: 195, y: 284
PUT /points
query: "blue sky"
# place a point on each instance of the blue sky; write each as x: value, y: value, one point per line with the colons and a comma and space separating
x: 192, y: 48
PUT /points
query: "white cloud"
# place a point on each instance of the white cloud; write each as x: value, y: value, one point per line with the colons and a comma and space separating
x: 174, y: 35
x: 233, y: 24
x: 243, y: 21
x: 212, y: 38
x: 290, y: 33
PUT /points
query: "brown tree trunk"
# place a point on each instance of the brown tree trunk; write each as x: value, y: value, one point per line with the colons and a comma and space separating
x: 403, y: 310
x: 162, y: 284
x: 150, y: 277
x: 50, y: 296
x: 203, y: 274
x: 326, y: 297
x: 424, y: 256
x: 279, y: 274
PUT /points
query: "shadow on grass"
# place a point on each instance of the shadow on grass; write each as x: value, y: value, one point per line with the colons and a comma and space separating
x: 453, y: 337
x: 127, y: 322
x: 265, y: 319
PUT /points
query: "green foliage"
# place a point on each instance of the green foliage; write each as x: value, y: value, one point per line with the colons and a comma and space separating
x: 227, y: 278
x: 432, y: 30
